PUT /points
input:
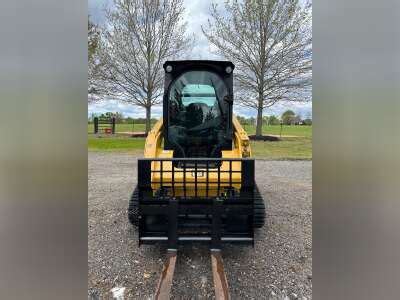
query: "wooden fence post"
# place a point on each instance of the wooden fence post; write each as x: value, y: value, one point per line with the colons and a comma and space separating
x: 96, y: 125
x: 113, y: 125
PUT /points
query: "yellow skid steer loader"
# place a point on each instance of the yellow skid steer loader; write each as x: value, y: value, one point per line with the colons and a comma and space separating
x: 196, y: 180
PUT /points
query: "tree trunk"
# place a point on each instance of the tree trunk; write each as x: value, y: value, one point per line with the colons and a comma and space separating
x: 148, y: 119
x: 259, y: 121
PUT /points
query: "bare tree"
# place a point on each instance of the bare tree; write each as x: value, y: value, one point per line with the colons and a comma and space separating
x: 270, y: 43
x: 138, y: 37
x: 98, y: 88
x: 93, y: 61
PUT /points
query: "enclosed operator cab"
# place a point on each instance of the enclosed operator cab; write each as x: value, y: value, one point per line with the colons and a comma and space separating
x: 198, y: 108
x: 196, y: 180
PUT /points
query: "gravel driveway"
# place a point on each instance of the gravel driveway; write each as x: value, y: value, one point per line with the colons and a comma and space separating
x: 282, y: 254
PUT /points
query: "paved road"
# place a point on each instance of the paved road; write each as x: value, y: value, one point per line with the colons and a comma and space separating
x: 282, y: 255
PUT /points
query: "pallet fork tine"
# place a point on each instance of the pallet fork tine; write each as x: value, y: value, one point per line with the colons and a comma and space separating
x: 165, y: 282
x: 221, y: 288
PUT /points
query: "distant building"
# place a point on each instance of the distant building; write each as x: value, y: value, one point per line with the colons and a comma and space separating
x: 294, y: 120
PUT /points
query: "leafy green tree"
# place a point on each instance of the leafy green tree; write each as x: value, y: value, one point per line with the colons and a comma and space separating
x: 288, y: 116
x: 242, y: 120
x: 273, y: 120
x: 117, y: 115
x: 128, y: 120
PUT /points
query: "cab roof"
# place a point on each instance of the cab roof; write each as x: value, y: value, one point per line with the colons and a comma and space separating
x: 179, y: 64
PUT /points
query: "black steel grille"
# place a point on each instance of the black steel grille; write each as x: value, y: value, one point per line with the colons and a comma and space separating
x: 172, y: 186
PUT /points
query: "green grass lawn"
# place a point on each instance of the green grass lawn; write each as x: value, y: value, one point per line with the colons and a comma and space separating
x: 304, y: 131
x: 115, y: 144
x: 286, y: 149
x: 289, y: 148
x: 294, y: 130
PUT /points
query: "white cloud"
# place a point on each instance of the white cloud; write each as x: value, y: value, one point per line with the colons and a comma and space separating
x: 196, y: 15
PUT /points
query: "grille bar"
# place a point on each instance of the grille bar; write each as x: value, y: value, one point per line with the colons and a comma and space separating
x: 196, y: 177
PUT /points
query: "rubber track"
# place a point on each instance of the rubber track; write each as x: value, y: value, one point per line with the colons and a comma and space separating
x: 133, y: 209
x: 259, y: 209
x: 258, y: 219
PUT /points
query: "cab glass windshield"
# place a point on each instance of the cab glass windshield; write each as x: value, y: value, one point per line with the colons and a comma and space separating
x: 195, y: 100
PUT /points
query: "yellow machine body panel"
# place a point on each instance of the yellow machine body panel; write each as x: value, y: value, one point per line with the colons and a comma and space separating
x: 186, y: 183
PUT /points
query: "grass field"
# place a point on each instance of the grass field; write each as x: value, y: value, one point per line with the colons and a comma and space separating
x: 302, y: 131
x: 289, y: 148
x: 116, y: 143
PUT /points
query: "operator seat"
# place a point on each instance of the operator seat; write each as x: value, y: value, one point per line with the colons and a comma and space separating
x: 195, y: 114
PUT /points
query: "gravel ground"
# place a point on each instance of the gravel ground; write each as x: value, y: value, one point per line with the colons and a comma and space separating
x: 281, y: 257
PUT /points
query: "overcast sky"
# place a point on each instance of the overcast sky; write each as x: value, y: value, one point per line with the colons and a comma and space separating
x: 197, y: 13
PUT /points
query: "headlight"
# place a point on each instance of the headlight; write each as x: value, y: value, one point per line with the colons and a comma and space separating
x: 228, y: 69
x: 168, y: 68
